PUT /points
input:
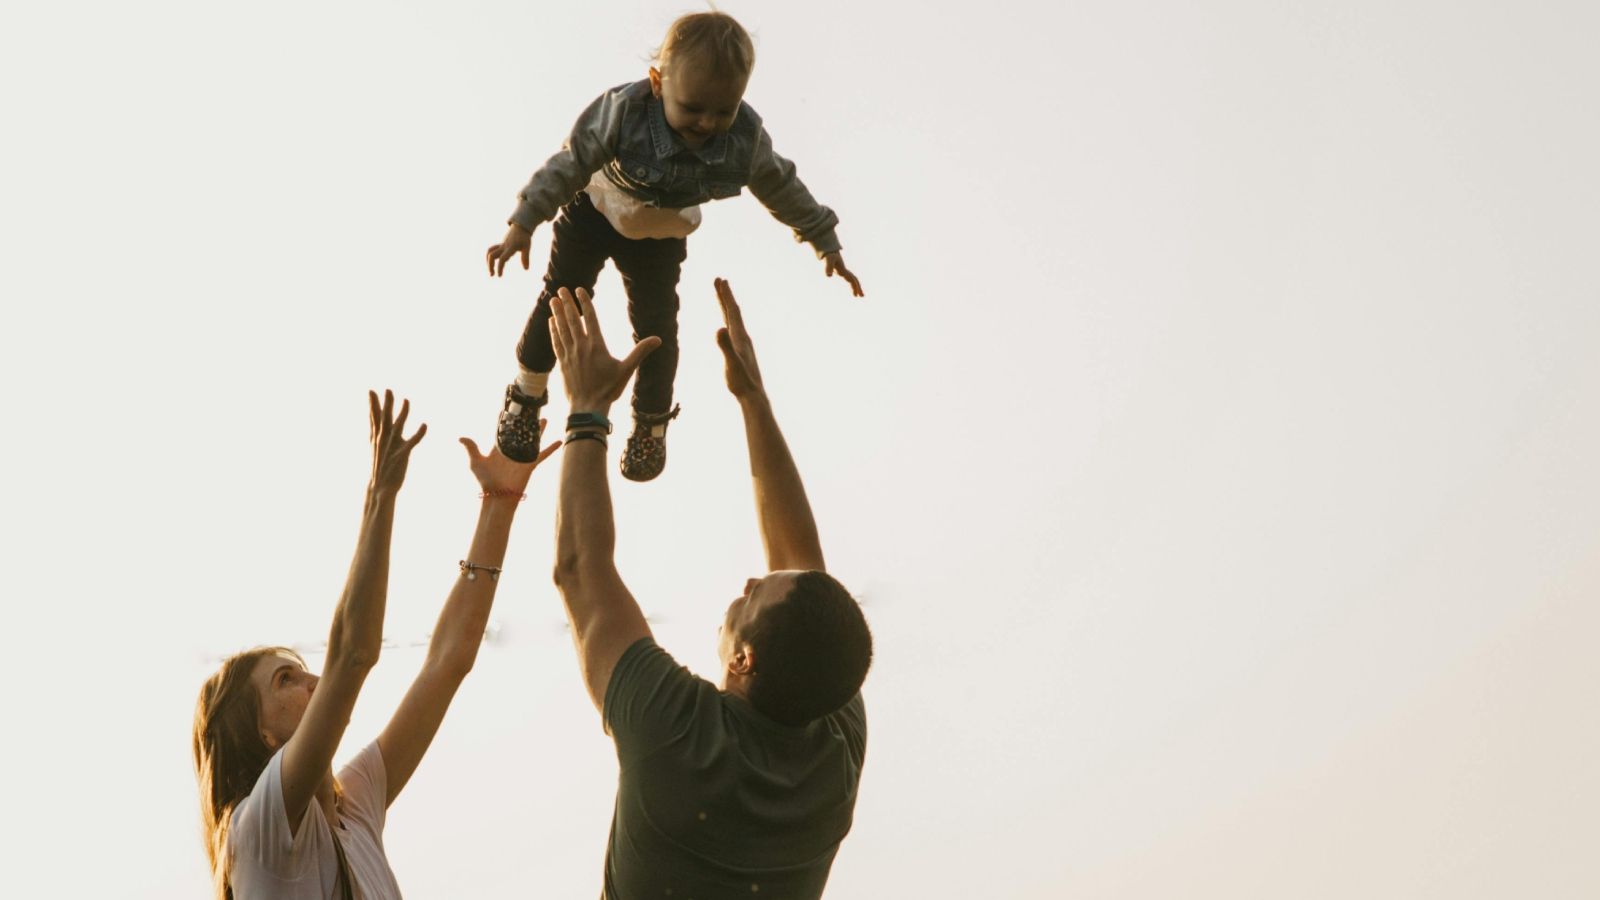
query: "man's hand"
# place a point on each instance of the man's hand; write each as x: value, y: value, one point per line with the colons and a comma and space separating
x: 515, y: 242
x: 833, y: 265
x: 593, y: 378
x: 391, y: 449
x: 498, y: 475
x: 738, y: 354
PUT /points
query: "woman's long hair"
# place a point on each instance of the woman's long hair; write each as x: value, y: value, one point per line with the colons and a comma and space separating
x: 229, y: 754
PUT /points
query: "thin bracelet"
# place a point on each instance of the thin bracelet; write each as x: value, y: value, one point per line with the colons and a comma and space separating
x: 502, y: 492
x: 472, y: 570
x: 573, y: 436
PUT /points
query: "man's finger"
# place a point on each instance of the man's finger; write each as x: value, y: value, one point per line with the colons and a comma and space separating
x: 555, y: 342
x: 417, y: 438
x: 730, y: 306
x: 569, y: 315
x: 472, y: 449
x: 524, y: 259
x: 562, y: 313
x: 558, y: 329
x: 400, y: 423
x: 547, y: 452
x: 591, y: 325
x: 488, y: 258
x: 639, y: 352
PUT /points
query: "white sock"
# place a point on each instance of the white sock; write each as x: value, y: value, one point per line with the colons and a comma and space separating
x: 532, y: 383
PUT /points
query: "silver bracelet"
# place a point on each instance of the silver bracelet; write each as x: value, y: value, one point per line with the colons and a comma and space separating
x: 472, y: 570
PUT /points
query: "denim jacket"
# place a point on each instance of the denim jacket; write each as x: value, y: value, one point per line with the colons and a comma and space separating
x: 624, y: 135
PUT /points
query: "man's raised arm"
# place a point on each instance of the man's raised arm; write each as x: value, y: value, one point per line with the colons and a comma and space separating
x: 788, y: 530
x: 605, y: 618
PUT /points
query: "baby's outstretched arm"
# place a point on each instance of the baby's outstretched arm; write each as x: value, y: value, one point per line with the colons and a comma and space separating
x: 774, y: 182
x: 833, y: 265
x: 592, y: 142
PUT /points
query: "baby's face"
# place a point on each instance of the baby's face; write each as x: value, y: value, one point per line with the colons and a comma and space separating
x: 699, y: 106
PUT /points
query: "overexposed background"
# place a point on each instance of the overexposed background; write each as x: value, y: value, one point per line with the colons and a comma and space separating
x: 1214, y: 451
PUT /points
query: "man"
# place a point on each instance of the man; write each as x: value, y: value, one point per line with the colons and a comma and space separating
x: 742, y: 791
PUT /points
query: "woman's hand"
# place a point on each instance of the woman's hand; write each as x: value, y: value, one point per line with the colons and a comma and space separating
x: 498, y: 475
x: 391, y: 449
x: 516, y: 242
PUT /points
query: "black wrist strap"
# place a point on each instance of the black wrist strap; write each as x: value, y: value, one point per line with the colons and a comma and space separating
x: 587, y: 436
x: 588, y: 420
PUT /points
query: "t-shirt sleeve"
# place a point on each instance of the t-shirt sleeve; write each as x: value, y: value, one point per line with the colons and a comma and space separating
x: 365, y: 782
x: 651, y: 700
x: 260, y: 825
x: 851, y: 720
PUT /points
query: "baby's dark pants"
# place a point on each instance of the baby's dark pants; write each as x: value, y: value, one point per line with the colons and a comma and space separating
x: 649, y: 267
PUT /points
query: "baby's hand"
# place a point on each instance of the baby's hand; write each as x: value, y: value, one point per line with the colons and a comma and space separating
x: 515, y: 242
x: 834, y: 263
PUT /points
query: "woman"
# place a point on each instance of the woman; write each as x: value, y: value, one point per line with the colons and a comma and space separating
x: 278, y: 822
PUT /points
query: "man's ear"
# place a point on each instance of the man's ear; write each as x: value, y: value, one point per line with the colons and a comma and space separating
x: 744, y: 660
x: 655, y: 81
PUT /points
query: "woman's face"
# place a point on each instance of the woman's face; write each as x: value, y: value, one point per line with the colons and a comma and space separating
x: 285, y: 687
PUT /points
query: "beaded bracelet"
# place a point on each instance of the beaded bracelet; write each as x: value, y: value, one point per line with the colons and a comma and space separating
x: 472, y: 570
x: 503, y: 492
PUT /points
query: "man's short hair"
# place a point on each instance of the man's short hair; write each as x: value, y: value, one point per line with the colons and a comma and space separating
x: 812, y: 651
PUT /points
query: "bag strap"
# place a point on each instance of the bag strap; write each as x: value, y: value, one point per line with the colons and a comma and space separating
x: 346, y: 883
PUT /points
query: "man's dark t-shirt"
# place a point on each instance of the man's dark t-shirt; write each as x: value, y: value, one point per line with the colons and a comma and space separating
x: 716, y: 800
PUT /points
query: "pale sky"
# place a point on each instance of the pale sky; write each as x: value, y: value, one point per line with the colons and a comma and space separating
x: 1214, y: 451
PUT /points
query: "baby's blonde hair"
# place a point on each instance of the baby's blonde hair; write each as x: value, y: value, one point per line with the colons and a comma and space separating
x: 712, y: 39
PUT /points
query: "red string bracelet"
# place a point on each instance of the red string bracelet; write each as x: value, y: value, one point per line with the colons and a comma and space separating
x: 517, y: 495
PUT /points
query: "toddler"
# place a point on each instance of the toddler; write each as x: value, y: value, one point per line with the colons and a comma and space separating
x: 626, y: 186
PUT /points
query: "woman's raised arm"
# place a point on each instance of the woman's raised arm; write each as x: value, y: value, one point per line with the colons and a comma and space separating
x: 357, y: 632
x: 459, y: 632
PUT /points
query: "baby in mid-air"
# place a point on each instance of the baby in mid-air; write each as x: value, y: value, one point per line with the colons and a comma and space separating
x: 627, y: 186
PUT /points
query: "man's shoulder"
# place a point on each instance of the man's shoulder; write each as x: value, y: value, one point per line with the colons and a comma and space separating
x: 651, y: 694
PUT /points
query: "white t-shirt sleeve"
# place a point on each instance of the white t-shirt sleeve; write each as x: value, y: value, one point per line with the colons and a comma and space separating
x: 260, y: 827
x: 270, y: 862
x: 365, y: 781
